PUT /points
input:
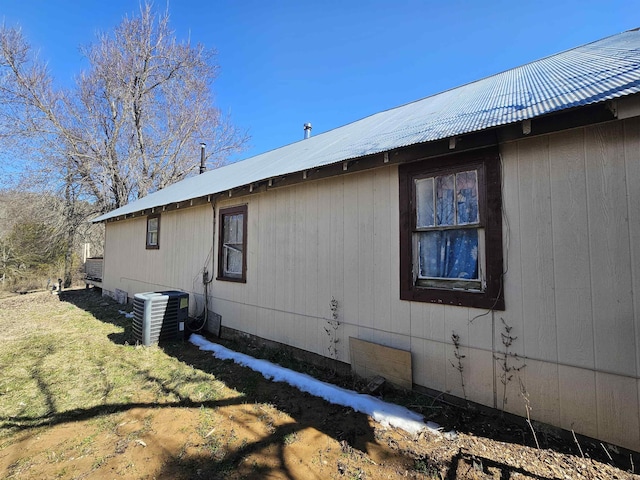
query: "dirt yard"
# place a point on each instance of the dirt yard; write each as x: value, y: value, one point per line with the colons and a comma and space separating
x: 77, y: 400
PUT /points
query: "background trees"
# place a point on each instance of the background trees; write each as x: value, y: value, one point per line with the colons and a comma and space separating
x: 33, y: 236
x: 131, y: 125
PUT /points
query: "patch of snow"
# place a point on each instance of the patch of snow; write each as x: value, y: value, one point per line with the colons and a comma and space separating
x: 126, y: 314
x: 382, y: 412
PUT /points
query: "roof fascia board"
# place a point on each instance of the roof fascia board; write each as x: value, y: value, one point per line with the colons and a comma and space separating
x: 559, y: 121
x: 627, y: 107
x: 554, y: 122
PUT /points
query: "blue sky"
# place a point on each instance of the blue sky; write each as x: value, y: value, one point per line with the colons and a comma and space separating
x: 284, y: 63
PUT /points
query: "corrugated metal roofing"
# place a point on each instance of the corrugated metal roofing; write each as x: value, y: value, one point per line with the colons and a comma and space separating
x: 599, y: 71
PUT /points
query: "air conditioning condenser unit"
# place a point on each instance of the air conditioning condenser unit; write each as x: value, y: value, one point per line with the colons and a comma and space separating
x: 159, y: 316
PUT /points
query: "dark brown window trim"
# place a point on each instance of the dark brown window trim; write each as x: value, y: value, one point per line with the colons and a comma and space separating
x: 490, y: 192
x: 155, y: 246
x: 240, y: 209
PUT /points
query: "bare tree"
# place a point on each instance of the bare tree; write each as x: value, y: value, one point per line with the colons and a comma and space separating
x: 133, y: 123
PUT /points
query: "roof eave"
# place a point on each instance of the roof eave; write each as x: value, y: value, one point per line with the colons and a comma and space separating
x: 556, y: 121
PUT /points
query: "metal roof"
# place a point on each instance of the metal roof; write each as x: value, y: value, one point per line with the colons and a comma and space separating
x: 599, y: 71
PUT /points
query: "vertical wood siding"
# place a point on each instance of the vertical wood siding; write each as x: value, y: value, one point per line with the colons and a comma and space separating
x: 572, y: 257
x: 571, y: 200
x: 185, y: 249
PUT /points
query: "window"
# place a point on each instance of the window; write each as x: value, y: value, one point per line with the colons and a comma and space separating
x: 451, y: 231
x: 232, y: 244
x: 153, y: 232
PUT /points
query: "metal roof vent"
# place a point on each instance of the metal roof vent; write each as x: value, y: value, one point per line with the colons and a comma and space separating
x: 203, y: 166
x: 307, y: 130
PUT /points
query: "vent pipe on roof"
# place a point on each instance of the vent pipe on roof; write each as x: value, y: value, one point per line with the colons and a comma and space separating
x: 307, y: 130
x: 203, y: 167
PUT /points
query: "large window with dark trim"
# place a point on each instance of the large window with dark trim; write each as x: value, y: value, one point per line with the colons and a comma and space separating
x: 232, y: 244
x: 451, y: 231
x: 153, y: 232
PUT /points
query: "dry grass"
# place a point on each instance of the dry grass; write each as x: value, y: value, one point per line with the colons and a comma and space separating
x: 59, y: 360
x: 61, y: 365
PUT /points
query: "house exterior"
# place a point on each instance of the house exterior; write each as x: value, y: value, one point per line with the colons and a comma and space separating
x: 493, y: 227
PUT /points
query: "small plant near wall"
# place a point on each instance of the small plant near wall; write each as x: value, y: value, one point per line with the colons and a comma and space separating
x: 333, y: 306
x: 527, y: 405
x: 510, y: 363
x: 331, y: 329
x: 455, y: 338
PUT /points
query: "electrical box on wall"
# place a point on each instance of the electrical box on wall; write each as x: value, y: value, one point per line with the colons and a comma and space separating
x: 159, y: 316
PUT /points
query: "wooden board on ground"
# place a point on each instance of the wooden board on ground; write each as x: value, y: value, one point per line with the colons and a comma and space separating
x: 370, y: 359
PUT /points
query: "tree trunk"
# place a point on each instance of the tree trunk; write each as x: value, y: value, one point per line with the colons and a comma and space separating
x: 70, y: 230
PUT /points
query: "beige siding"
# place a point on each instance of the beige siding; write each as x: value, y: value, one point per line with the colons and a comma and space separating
x: 617, y: 407
x: 608, y: 233
x: 571, y: 249
x: 571, y: 202
x: 571, y: 234
x: 185, y: 250
x: 578, y: 405
x: 537, y: 327
x: 632, y: 164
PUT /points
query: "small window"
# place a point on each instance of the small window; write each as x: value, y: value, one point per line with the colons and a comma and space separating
x: 153, y: 232
x: 232, y: 259
x: 451, y: 231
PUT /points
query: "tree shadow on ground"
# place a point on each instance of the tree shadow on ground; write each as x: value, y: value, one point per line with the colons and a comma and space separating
x: 462, y: 464
x: 309, y: 412
x: 343, y: 424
